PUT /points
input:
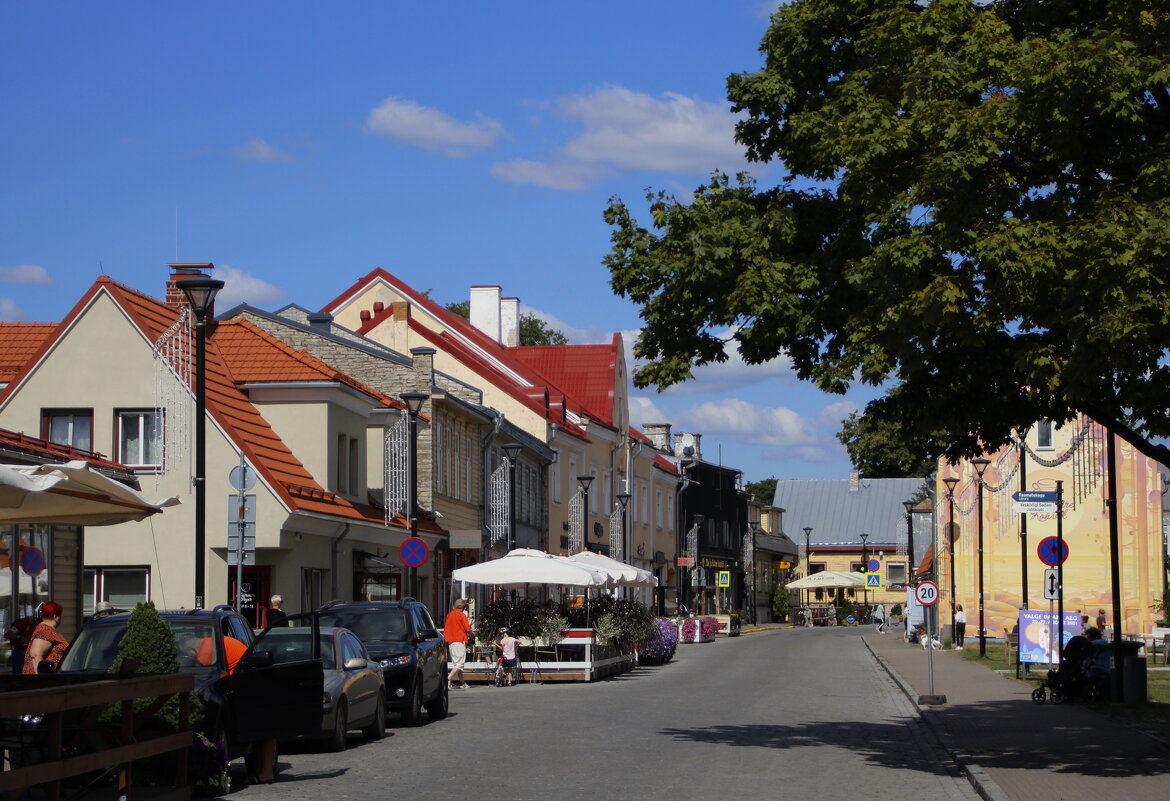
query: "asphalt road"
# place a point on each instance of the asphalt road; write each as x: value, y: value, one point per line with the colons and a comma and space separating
x: 791, y: 713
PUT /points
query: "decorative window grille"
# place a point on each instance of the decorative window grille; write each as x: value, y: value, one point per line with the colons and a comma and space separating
x: 616, y: 535
x: 747, y: 550
x: 577, y: 521
x: 693, y: 543
x: 174, y: 382
x: 498, y: 508
x: 396, y: 466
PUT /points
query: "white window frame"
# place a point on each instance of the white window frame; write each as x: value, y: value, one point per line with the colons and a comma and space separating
x: 139, y: 461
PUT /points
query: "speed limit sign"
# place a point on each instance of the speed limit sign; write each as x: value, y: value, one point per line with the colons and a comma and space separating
x: 926, y: 593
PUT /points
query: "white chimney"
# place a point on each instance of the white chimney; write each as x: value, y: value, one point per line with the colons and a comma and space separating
x: 485, y: 310
x: 659, y: 434
x: 510, y: 322
x: 686, y: 445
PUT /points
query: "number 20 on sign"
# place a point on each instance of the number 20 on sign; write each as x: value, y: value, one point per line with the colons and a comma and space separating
x: 926, y: 593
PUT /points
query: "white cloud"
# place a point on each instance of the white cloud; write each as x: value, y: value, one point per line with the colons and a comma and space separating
x: 9, y: 311
x: 643, y: 410
x: 832, y: 414
x: 241, y: 287
x: 748, y: 422
x: 431, y: 129
x: 621, y: 129
x: 567, y: 175
x: 635, y: 131
x: 259, y: 150
x: 32, y: 274
x: 734, y: 373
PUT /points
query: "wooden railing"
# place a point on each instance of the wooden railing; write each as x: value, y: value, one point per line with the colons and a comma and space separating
x: 67, y: 743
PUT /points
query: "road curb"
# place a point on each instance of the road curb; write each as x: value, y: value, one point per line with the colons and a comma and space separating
x: 979, y: 778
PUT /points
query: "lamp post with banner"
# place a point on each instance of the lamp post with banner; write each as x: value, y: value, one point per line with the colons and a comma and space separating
x: 980, y: 465
x: 414, y: 402
x: 951, y: 482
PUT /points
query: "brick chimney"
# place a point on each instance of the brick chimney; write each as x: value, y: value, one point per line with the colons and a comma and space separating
x: 659, y: 434
x: 181, y: 271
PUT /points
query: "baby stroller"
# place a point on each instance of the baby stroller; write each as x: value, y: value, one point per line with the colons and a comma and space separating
x: 1069, y: 681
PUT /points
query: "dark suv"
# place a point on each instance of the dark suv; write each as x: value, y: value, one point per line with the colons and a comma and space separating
x: 402, y: 637
x: 259, y: 700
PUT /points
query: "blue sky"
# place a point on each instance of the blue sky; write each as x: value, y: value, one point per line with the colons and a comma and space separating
x: 299, y: 145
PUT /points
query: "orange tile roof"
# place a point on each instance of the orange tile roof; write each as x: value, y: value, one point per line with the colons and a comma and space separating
x: 37, y: 447
x: 18, y: 343
x: 242, y: 348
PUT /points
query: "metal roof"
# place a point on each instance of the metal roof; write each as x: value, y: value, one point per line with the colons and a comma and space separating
x: 839, y: 511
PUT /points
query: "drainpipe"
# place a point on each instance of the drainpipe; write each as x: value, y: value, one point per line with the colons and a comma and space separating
x: 333, y: 589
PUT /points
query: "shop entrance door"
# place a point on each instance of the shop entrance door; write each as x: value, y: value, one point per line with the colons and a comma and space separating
x: 257, y: 590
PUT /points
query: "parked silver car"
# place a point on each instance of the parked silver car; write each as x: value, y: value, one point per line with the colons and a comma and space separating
x: 355, y: 693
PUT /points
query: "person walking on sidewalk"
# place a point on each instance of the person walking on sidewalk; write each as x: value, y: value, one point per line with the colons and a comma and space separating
x: 960, y: 627
x: 879, y: 619
x: 455, y: 629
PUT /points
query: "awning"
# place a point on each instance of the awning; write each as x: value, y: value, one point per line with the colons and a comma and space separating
x: 620, y: 574
x: 70, y: 494
x: 529, y: 566
x: 828, y: 580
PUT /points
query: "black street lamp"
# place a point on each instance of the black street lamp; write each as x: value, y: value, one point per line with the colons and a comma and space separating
x: 807, y: 560
x: 200, y: 292
x: 980, y: 465
x: 865, y: 568
x: 910, y: 540
x: 512, y: 454
x: 584, y: 482
x: 951, y: 482
x: 624, y: 501
x: 414, y: 402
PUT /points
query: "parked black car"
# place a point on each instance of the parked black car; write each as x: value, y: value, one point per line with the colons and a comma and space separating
x: 402, y: 637
x: 259, y: 700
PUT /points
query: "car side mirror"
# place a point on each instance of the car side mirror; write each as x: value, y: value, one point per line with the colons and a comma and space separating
x: 428, y: 634
x: 259, y: 659
x: 357, y: 663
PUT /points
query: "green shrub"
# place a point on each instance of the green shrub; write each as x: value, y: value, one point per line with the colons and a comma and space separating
x: 781, y: 603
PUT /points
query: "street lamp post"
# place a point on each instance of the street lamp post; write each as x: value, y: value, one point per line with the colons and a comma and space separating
x: 512, y: 454
x: 865, y: 567
x: 807, y: 562
x: 693, y: 548
x: 584, y: 482
x: 951, y: 482
x: 624, y: 501
x: 200, y: 292
x: 414, y: 402
x: 980, y: 465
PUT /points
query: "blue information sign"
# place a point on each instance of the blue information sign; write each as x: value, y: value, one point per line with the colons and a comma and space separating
x: 1034, y: 497
x: 413, y: 552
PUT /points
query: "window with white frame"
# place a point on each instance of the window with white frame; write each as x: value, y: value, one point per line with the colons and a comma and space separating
x: 555, y: 477
x: 670, y: 511
x: 468, y: 471
x: 140, y: 438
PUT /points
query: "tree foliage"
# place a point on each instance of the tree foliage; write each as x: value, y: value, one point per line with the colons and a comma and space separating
x: 879, y: 448
x: 763, y: 491
x: 533, y: 330
x: 975, y: 212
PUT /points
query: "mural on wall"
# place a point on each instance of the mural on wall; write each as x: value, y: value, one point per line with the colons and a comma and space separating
x: 1078, y: 459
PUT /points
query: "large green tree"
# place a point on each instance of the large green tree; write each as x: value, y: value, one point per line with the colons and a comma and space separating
x: 974, y: 212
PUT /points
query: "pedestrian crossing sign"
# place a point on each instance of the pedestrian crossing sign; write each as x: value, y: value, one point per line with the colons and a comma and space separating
x: 873, y: 581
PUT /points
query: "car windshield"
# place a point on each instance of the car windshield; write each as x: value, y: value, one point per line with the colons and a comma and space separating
x: 96, y: 647
x: 292, y: 645
x: 370, y: 623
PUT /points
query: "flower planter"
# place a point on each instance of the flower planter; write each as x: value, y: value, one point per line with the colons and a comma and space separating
x: 691, y: 630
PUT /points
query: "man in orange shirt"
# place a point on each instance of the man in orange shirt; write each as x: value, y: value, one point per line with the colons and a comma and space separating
x: 455, y: 630
x: 202, y: 650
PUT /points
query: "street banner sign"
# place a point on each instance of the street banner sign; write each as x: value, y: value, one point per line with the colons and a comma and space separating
x: 927, y: 593
x: 873, y: 581
x: 413, y: 551
x: 1052, y: 551
x: 1051, y: 584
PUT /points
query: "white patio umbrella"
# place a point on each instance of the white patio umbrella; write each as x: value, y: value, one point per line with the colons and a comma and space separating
x: 828, y: 580
x: 620, y: 573
x: 529, y: 566
x: 70, y: 494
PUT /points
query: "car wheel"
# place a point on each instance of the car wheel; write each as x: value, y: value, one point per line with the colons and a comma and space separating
x: 437, y: 708
x: 377, y: 729
x: 338, y: 741
x: 412, y: 712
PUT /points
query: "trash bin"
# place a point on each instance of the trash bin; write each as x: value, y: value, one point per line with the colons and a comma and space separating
x: 1133, y: 672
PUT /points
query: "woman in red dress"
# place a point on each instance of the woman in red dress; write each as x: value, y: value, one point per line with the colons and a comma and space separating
x: 47, y: 644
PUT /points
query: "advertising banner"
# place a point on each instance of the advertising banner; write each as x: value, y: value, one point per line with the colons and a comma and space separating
x: 1038, y: 632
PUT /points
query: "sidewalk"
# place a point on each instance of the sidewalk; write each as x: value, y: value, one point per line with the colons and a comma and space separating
x: 1017, y: 750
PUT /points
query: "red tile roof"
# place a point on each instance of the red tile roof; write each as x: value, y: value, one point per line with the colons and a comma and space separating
x: 51, y: 451
x: 242, y: 348
x: 18, y: 343
x: 584, y: 372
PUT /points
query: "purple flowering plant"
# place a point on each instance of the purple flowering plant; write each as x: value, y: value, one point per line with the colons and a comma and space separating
x: 661, y: 650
